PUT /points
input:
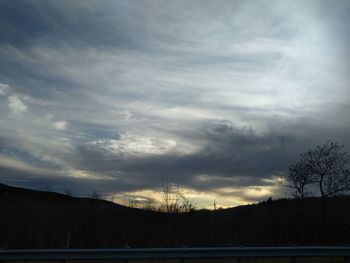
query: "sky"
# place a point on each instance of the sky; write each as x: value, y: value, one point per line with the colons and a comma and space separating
x: 219, y: 97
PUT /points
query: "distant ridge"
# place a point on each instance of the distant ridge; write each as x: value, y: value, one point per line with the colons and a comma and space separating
x: 19, y: 192
x: 8, y: 193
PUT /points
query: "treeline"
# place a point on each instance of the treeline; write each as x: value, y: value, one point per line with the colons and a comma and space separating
x: 173, y: 200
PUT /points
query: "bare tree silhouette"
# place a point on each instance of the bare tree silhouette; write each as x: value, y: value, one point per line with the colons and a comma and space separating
x: 299, y: 178
x: 325, y: 167
x: 174, y: 199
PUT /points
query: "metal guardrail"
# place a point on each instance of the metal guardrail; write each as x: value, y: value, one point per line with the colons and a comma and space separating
x: 173, y: 253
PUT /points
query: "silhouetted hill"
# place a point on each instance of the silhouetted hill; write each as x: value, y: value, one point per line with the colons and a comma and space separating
x: 37, y: 219
x: 11, y: 193
x: 16, y: 194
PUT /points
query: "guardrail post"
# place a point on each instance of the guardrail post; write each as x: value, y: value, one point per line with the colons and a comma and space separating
x: 346, y: 259
x: 293, y: 259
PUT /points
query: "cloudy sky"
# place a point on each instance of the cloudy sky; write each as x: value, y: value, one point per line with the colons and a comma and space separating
x: 219, y: 97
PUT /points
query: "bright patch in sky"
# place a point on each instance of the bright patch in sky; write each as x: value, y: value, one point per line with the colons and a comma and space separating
x: 136, y: 145
x: 16, y: 106
x: 60, y: 125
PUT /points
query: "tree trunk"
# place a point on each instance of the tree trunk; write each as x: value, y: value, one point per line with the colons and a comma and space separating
x: 321, y: 187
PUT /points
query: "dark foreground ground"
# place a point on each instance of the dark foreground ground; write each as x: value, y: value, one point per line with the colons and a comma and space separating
x: 34, y: 219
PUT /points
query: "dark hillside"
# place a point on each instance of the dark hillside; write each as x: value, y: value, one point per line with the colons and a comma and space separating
x: 17, y: 194
x: 35, y: 219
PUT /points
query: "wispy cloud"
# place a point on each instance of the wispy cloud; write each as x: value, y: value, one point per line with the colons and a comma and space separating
x: 60, y: 125
x: 228, y: 91
x: 4, y: 88
x: 16, y: 106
